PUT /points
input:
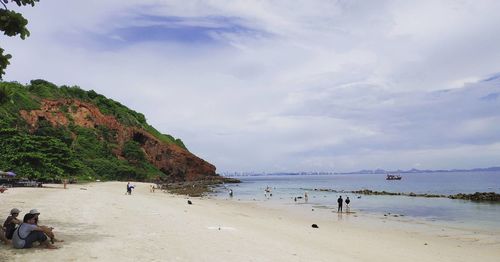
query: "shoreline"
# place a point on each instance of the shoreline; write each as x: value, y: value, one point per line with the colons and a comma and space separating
x: 100, y: 223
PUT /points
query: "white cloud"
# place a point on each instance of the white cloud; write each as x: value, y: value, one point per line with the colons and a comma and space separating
x: 286, y: 86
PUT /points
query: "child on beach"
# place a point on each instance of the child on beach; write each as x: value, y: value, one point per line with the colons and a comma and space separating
x: 11, y: 223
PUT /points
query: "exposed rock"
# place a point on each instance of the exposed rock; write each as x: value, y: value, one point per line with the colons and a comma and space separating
x: 176, y: 162
x: 478, y: 196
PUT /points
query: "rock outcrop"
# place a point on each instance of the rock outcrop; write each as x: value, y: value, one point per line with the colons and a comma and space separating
x: 176, y: 162
x: 478, y: 196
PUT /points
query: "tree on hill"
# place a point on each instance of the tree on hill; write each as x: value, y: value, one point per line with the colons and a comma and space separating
x: 11, y: 24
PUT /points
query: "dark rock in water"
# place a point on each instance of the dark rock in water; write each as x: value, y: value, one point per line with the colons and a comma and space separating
x: 478, y: 196
x: 189, y: 202
x: 314, y: 226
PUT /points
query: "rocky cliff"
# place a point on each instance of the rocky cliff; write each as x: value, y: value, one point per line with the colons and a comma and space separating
x: 176, y: 162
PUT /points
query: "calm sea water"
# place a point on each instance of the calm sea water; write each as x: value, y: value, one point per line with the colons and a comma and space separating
x: 456, y: 212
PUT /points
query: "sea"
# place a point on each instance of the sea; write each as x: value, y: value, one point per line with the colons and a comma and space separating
x: 286, y: 189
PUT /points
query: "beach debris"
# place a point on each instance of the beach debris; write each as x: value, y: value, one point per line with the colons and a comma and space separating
x: 312, y: 209
x: 425, y: 244
x: 221, y: 228
x: 82, y: 188
x: 189, y: 202
x: 314, y: 226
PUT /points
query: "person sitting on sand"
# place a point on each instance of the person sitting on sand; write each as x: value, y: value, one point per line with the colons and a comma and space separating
x: 11, y: 223
x: 47, y: 230
x: 28, y: 233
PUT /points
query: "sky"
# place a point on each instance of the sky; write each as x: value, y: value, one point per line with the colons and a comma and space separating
x: 286, y: 86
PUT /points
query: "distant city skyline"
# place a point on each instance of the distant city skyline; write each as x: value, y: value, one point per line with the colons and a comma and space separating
x: 286, y: 86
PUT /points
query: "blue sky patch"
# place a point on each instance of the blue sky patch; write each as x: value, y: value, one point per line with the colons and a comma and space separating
x: 211, y: 30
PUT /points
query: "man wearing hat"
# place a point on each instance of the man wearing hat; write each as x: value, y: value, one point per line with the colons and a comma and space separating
x: 28, y: 233
x: 47, y: 230
x: 11, y: 223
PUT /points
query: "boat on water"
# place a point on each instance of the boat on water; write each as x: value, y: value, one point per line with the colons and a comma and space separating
x: 393, y: 177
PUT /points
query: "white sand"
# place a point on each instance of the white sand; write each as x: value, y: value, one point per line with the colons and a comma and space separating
x: 101, y: 223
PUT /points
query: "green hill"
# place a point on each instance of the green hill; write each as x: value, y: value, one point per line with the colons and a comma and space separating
x: 50, y: 133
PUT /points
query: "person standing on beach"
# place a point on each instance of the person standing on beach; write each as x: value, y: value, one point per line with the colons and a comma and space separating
x: 306, y: 197
x: 339, y: 201
x: 230, y: 193
x: 129, y: 188
x: 347, y: 208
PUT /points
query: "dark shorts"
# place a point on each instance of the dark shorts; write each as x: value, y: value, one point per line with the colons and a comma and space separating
x: 34, y: 236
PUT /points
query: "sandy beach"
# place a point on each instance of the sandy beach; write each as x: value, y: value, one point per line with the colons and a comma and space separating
x: 98, y: 222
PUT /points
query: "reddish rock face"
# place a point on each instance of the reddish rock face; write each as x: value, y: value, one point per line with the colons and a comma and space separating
x: 178, y: 163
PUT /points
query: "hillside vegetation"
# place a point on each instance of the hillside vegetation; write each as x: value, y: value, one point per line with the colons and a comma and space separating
x: 51, y: 152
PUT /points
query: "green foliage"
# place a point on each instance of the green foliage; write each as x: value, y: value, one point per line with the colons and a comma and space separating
x: 36, y: 157
x: 132, y: 151
x: 4, y: 62
x: 50, y: 152
x: 14, y: 98
x: 46, y: 129
x: 12, y: 24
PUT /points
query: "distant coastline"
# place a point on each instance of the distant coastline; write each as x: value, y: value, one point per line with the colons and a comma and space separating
x: 414, y: 170
x: 364, y: 171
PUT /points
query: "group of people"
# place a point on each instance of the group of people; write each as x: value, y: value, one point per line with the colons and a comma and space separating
x: 268, y: 192
x: 340, y: 204
x: 23, y: 234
